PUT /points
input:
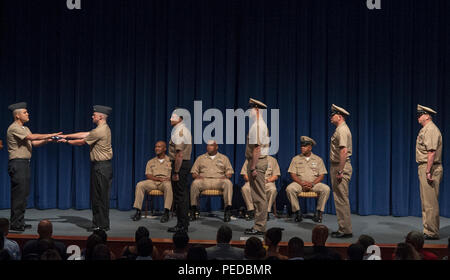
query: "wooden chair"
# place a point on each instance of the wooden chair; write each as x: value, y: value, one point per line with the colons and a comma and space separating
x: 308, y: 195
x: 211, y: 193
x: 150, y: 194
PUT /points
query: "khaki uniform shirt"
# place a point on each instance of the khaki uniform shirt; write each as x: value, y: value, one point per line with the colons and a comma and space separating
x: 273, y: 169
x: 342, y: 138
x: 429, y: 139
x: 258, y: 136
x: 18, y: 147
x: 181, y: 140
x: 307, y: 170
x: 158, y: 168
x: 99, y: 140
x: 207, y: 167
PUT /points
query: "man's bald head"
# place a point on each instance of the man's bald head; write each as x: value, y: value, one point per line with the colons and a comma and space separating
x: 319, y: 235
x: 45, y: 229
x: 160, y: 148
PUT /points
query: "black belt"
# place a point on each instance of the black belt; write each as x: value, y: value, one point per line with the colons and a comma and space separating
x: 20, y: 159
x: 101, y: 162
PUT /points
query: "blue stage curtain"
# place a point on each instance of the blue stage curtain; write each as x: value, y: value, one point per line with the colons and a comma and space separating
x: 146, y: 57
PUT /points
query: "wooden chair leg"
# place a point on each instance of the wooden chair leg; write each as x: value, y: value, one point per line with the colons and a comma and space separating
x: 146, y: 205
x: 274, y: 208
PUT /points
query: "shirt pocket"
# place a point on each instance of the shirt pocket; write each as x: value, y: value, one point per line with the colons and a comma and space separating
x: 300, y: 166
x: 314, y: 168
x: 220, y: 165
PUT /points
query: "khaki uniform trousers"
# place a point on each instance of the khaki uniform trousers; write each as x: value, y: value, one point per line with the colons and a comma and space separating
x: 294, y: 189
x: 340, y: 194
x: 271, y: 193
x: 259, y: 195
x: 146, y: 186
x: 429, y: 194
x: 200, y: 185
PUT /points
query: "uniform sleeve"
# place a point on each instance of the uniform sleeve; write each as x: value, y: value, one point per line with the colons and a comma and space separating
x: 92, y: 137
x: 292, y: 168
x: 276, y: 168
x: 196, y: 167
x: 322, y: 170
x: 244, y: 168
x: 431, y: 140
x: 228, y: 167
x: 20, y: 132
x: 148, y: 170
x: 343, y: 139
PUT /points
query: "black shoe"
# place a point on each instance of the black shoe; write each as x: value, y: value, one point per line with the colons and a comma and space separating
x: 193, y: 214
x: 27, y: 226
x: 177, y: 229
x: 227, y: 216
x: 429, y: 237
x: 20, y: 228
x: 318, y: 217
x: 337, y: 234
x: 137, y: 216
x: 298, y: 217
x: 268, y: 215
x: 250, y: 215
x: 165, y: 217
x: 92, y: 228
x: 252, y: 231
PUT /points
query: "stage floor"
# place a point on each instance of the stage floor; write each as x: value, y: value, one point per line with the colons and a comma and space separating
x: 385, y: 229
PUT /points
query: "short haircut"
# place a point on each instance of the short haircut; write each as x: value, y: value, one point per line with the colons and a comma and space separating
x: 51, y: 255
x: 197, y: 253
x: 295, y: 247
x: 366, y: 241
x: 416, y: 239
x: 145, y: 247
x: 101, y: 253
x: 254, y: 249
x: 180, y: 240
x: 141, y: 232
x: 92, y: 241
x: 274, y: 235
x: 224, y: 234
x: 102, y: 234
x: 355, y: 252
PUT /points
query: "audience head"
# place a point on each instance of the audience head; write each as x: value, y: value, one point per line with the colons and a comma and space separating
x: 366, y: 241
x: 319, y: 235
x: 4, y: 226
x: 101, y: 253
x: 406, y: 251
x: 141, y: 232
x: 51, y: 255
x: 224, y: 234
x: 43, y: 245
x: 180, y: 240
x: 45, y: 229
x: 355, y: 252
x: 295, y: 248
x: 416, y: 239
x: 273, y: 236
x: 254, y: 249
x: 92, y: 241
x: 102, y: 234
x: 145, y: 247
x: 197, y: 253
